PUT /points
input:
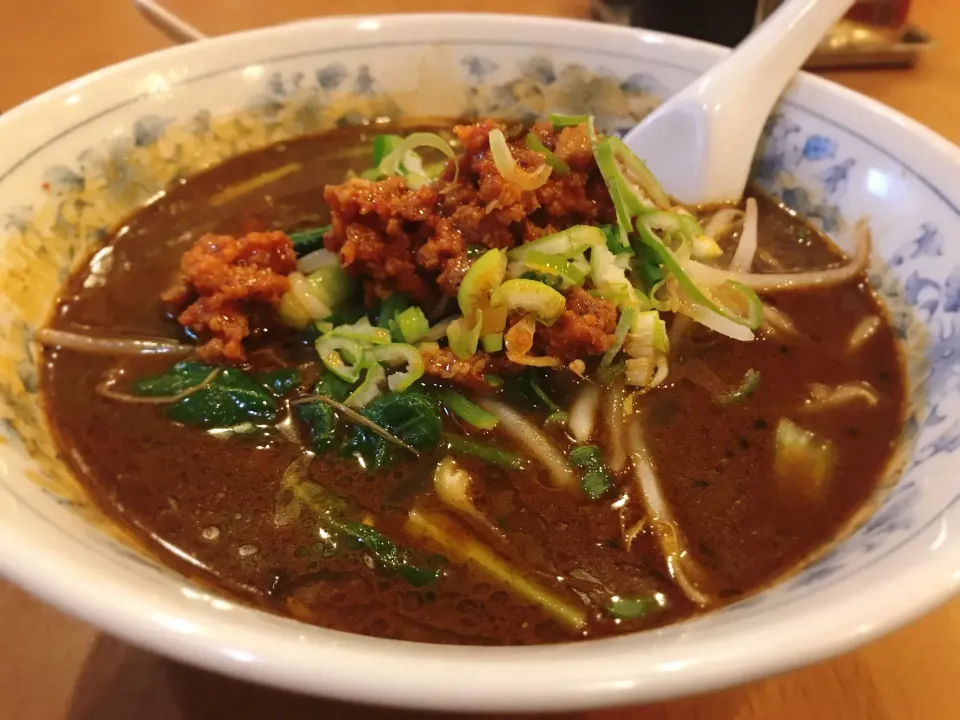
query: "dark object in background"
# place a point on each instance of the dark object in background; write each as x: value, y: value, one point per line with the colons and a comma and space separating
x: 873, y: 34
x: 725, y: 23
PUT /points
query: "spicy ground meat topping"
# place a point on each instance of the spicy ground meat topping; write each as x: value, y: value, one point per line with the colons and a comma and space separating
x: 222, y: 277
x: 415, y: 240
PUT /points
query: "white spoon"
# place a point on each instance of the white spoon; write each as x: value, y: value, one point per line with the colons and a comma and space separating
x: 700, y: 143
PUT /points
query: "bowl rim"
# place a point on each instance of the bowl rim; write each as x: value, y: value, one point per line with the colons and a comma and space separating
x: 565, y: 677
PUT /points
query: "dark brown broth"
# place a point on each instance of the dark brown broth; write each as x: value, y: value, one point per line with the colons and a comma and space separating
x: 172, y: 483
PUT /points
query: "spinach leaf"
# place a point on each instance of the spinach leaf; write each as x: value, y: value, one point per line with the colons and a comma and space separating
x: 279, y: 382
x: 306, y: 241
x: 331, y: 510
x: 185, y: 374
x: 411, y: 416
x: 322, y: 422
x: 389, y: 556
x: 333, y: 386
x: 319, y: 416
x: 231, y: 398
x: 529, y: 384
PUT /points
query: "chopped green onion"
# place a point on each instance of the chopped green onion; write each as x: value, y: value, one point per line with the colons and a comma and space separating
x: 596, y: 484
x: 751, y: 380
x: 460, y: 445
x: 493, y: 381
x: 530, y: 296
x: 648, y: 267
x: 412, y: 324
x: 390, y: 165
x: 619, y: 335
x: 533, y: 143
x: 492, y: 343
x: 552, y: 281
x: 559, y: 120
x: 802, y: 459
x: 466, y: 410
x: 673, y: 266
x: 612, y: 233
x: 509, y: 169
x: 754, y: 315
x: 383, y: 145
x: 462, y: 338
x: 566, y: 243
x: 631, y: 608
x: 596, y: 481
x: 342, y: 356
x: 641, y: 174
x: 484, y: 276
x: 306, y: 241
x: 435, y: 169
x: 475, y: 251
x: 369, y: 389
x: 569, y: 273
x: 607, y: 163
x: 557, y: 417
x: 400, y: 354
x: 387, y: 318
x: 585, y: 456
x: 362, y: 331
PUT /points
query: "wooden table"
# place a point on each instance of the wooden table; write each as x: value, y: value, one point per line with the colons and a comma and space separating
x: 54, y: 668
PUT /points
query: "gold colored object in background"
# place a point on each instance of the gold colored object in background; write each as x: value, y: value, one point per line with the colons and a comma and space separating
x: 874, y: 32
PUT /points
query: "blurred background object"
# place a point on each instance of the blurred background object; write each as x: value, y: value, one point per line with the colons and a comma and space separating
x: 875, y: 32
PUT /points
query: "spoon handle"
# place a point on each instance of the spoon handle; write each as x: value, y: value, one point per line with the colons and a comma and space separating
x: 771, y: 54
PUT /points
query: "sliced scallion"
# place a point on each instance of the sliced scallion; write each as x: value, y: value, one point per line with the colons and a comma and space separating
x: 509, y: 169
x: 533, y: 143
x: 461, y: 445
x: 692, y: 290
x: 559, y: 120
x: 412, y: 324
x: 641, y: 174
x: 390, y: 165
x: 369, y: 389
x: 342, y: 356
x: 466, y: 410
x: 632, y: 608
x: 492, y: 342
x: 400, y: 354
x: 751, y: 380
x: 620, y: 334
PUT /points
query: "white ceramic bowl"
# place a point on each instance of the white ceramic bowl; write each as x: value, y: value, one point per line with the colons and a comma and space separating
x: 74, y: 160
